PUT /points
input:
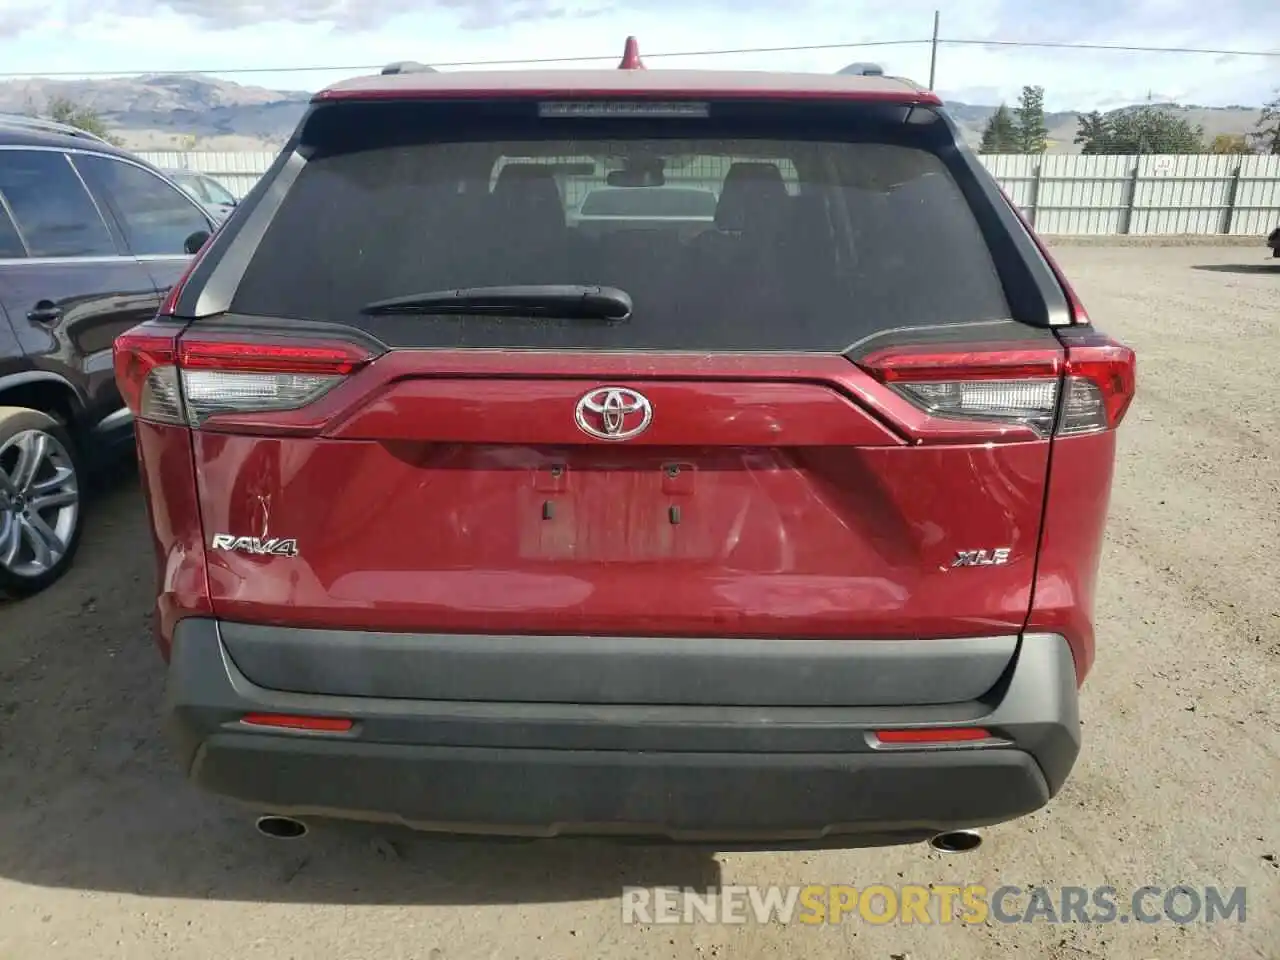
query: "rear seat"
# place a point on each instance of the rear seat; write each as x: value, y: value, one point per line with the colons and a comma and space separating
x: 528, y: 238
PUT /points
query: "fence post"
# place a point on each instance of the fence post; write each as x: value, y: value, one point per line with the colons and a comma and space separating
x: 1035, y: 192
x: 1233, y: 190
x: 1127, y: 226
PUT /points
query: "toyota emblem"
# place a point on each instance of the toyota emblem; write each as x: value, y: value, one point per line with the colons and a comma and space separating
x: 613, y: 413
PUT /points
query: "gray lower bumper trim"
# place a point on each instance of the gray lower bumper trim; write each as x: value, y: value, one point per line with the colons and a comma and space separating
x: 618, y: 670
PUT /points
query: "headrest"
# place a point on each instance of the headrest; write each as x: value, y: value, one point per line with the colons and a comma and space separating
x: 530, y: 190
x: 753, y: 194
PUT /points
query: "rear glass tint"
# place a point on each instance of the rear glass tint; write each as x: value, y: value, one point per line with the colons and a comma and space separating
x: 645, y: 202
x: 790, y: 234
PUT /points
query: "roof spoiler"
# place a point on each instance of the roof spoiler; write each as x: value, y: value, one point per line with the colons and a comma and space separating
x: 407, y: 66
x: 631, y: 56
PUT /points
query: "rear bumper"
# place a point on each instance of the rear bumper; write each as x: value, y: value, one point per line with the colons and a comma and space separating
x: 773, y: 775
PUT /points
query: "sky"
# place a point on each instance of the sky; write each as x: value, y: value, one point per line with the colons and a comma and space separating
x: 278, y: 39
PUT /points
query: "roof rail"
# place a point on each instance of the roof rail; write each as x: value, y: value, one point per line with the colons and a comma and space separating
x: 407, y: 66
x: 909, y: 82
x: 631, y: 56
x: 40, y: 125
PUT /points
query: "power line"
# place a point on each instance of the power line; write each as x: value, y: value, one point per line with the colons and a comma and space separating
x: 609, y: 57
x: 1107, y: 46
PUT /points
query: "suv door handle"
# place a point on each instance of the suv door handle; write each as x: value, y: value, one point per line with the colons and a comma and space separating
x: 46, y: 311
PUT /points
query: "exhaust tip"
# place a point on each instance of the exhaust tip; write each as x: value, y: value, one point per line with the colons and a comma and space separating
x: 281, y: 828
x: 957, y: 841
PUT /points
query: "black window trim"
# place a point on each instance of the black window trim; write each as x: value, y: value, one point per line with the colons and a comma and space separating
x: 117, y: 219
x: 117, y: 238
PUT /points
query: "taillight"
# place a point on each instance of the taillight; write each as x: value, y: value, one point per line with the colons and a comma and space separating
x: 1094, y: 377
x: 1102, y: 378
x: 146, y: 375
x: 189, y: 380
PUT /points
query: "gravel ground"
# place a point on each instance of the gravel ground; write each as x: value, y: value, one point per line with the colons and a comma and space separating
x: 106, y: 852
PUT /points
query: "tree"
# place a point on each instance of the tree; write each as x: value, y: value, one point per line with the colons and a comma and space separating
x: 1139, y: 130
x: 1230, y: 143
x: 1000, y: 135
x: 90, y: 121
x: 1093, y: 132
x: 1268, y: 135
x: 1032, y: 136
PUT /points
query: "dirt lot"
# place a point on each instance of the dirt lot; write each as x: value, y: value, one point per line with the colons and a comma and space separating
x: 106, y: 852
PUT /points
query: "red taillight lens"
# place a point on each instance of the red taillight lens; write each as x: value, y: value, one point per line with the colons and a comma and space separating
x: 146, y: 376
x: 334, y: 359
x: 1093, y: 376
x: 189, y: 380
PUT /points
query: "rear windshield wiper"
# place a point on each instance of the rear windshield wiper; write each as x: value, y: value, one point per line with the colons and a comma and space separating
x: 563, y: 301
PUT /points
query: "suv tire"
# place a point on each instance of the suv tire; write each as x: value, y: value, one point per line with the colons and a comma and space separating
x: 41, y: 501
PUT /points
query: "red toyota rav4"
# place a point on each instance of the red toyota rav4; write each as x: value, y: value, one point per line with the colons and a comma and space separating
x: 769, y: 521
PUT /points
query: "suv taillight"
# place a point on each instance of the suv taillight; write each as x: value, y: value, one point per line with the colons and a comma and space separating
x: 1094, y: 377
x: 185, y: 380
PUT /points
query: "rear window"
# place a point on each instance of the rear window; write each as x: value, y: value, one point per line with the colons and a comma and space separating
x: 794, y: 230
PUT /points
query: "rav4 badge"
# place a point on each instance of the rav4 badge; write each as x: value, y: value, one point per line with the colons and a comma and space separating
x: 258, y: 546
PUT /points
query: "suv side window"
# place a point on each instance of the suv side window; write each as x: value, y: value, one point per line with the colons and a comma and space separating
x: 53, y: 210
x: 216, y: 192
x: 156, y: 218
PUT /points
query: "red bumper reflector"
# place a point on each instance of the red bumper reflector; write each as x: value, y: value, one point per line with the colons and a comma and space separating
x: 285, y: 721
x: 927, y: 735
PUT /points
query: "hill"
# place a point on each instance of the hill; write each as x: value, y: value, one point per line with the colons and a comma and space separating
x: 166, y: 111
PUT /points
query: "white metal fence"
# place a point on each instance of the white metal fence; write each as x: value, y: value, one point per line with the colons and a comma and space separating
x: 1061, y: 194
x: 238, y: 171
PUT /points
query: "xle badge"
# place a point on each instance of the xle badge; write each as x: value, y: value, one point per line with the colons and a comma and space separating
x: 981, y: 558
x: 257, y: 546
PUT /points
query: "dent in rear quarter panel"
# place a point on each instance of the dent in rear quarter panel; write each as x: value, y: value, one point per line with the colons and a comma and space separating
x: 1075, y: 520
x: 169, y: 486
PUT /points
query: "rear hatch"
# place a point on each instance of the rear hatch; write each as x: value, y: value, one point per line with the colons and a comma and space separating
x: 826, y: 414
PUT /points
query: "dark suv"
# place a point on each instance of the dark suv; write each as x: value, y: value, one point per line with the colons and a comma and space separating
x: 90, y: 240
x: 783, y: 530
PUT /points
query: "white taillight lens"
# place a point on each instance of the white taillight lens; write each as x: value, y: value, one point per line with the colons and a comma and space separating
x: 1031, y: 402
x: 161, y: 397
x: 1083, y: 408
x: 211, y: 392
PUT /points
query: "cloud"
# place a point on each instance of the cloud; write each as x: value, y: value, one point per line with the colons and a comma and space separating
x: 349, y: 14
x: 372, y: 14
x: 1140, y: 22
x: 15, y: 21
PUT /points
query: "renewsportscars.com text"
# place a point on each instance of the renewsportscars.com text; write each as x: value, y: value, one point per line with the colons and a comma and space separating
x: 934, y: 904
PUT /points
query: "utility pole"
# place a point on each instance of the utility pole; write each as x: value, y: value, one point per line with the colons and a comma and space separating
x: 933, y: 50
